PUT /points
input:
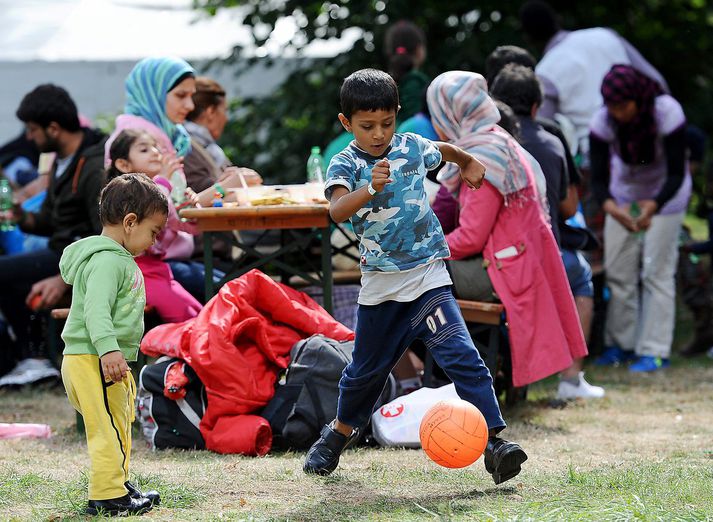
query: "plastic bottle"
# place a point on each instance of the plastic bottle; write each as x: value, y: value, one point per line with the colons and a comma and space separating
x: 6, y: 213
x: 315, y: 167
x: 178, y: 187
x: 635, y: 212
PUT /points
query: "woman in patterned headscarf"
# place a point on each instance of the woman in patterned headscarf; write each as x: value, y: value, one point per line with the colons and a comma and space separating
x: 640, y: 177
x: 158, y: 98
x: 502, y: 228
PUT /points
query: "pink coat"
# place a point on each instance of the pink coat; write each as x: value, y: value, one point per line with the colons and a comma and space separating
x: 545, y: 333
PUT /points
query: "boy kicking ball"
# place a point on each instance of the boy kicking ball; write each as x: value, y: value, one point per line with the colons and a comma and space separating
x: 377, y: 182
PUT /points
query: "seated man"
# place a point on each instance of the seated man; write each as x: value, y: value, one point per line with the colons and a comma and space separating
x: 70, y: 212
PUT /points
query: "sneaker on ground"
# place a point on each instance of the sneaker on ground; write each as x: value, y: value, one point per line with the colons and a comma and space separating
x: 614, y: 356
x: 647, y: 363
x: 29, y: 371
x: 581, y: 390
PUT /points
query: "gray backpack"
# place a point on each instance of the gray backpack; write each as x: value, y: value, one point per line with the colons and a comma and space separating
x: 307, y: 400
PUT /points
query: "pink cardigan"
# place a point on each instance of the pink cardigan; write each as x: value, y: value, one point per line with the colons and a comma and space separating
x: 545, y: 333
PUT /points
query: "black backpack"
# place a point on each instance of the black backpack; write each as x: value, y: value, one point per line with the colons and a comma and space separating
x: 307, y: 400
x: 164, y: 422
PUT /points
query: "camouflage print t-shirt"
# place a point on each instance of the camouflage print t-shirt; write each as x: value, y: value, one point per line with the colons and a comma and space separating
x: 397, y: 229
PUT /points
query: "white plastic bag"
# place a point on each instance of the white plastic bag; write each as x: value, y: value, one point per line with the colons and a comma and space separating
x: 397, y: 423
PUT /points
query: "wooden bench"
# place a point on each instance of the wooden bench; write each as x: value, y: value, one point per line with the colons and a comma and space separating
x: 480, y: 312
x: 59, y: 314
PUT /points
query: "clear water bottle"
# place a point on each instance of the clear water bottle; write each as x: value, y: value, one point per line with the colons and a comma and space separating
x: 178, y: 187
x: 315, y: 167
x: 7, y: 221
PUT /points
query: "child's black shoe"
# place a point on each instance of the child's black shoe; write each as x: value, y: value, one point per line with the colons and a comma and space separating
x: 323, y: 457
x: 135, y: 492
x: 503, y: 459
x: 117, y: 507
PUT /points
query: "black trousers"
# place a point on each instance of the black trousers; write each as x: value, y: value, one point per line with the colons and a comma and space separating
x: 18, y: 273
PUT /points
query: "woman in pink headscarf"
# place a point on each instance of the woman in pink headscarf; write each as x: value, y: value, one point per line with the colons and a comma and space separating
x: 504, y: 224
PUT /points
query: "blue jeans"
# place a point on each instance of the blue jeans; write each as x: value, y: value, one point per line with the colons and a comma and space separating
x: 191, y: 276
x: 579, y: 273
x: 386, y: 330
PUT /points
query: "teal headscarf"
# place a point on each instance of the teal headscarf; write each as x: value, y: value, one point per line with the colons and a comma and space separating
x: 147, y: 85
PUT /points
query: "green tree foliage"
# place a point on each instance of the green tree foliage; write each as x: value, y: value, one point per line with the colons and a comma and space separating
x: 274, y: 134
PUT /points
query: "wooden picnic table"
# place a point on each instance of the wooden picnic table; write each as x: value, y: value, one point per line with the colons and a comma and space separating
x: 294, y: 217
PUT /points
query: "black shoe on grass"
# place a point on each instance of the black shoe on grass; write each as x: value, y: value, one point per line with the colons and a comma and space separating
x: 503, y: 459
x: 323, y: 457
x: 135, y: 492
x: 119, y: 507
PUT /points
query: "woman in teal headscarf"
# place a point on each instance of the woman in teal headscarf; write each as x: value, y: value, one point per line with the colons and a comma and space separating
x: 158, y: 98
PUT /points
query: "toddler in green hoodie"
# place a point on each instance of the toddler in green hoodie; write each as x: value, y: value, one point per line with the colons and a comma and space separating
x: 103, y: 332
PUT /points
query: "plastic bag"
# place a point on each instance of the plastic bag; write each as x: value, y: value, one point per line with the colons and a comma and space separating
x: 397, y: 423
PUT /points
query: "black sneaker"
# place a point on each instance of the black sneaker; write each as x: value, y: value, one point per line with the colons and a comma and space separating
x: 119, y: 507
x: 503, y: 459
x: 135, y: 492
x: 323, y: 457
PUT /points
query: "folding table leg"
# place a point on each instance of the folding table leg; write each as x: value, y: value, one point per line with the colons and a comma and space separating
x: 208, y: 262
x: 327, y: 268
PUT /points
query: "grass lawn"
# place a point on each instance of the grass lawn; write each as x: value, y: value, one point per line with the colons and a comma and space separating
x: 645, y: 452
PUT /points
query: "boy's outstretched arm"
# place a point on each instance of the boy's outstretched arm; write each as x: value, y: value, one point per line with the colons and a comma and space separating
x: 344, y: 204
x: 472, y: 171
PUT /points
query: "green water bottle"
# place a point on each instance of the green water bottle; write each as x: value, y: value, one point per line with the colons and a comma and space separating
x: 7, y: 221
x: 635, y: 212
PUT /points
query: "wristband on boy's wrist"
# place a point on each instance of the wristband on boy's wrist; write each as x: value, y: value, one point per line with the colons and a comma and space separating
x: 370, y: 189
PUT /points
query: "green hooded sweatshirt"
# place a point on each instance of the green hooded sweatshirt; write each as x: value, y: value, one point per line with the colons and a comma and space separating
x: 108, y: 298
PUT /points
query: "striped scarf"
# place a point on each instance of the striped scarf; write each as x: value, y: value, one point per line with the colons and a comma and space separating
x: 466, y: 115
x: 637, y: 138
x: 147, y: 85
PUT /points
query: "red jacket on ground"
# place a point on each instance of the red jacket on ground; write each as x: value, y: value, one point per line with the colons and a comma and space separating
x: 238, y: 344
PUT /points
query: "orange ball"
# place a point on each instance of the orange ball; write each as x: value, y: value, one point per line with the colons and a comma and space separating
x: 453, y: 433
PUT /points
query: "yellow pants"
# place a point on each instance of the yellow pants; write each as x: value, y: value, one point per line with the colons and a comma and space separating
x: 108, y: 411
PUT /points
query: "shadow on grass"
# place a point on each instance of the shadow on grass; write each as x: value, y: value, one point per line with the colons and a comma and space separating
x: 343, y: 498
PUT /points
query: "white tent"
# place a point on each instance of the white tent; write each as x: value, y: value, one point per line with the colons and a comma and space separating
x: 112, y: 30
x: 89, y: 46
